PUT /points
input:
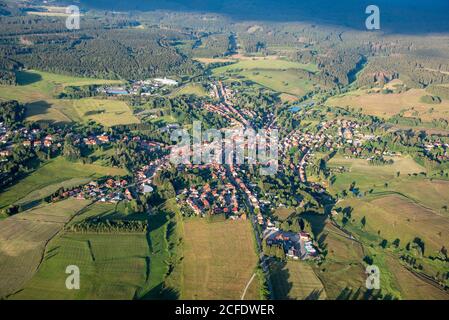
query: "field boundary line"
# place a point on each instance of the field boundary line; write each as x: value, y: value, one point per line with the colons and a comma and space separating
x: 247, y: 286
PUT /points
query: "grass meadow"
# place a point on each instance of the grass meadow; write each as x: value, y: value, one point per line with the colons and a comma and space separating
x: 392, y: 217
x: 111, y: 267
x: 219, y: 260
x: 37, y: 90
x: 51, y: 176
x: 275, y: 74
x: 23, y: 238
x: 105, y: 112
x: 396, y: 202
x: 191, y: 88
x: 388, y: 105
x: 295, y: 280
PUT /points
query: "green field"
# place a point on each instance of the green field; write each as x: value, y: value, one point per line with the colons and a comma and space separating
x: 219, y: 260
x: 295, y: 280
x: 285, y: 81
x: 36, y: 85
x: 107, y: 112
x: 277, y: 75
x: 191, y: 88
x: 384, y: 180
x: 366, y: 175
x: 37, y: 90
x: 394, y: 216
x: 23, y: 238
x: 388, y: 105
x: 111, y: 266
x: 109, y: 211
x: 283, y: 213
x: 50, y: 177
x: 343, y: 267
x: 268, y: 64
x: 410, y: 286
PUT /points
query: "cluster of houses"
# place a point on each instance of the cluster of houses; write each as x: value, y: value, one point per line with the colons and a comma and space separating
x: 96, y: 140
x: 144, y: 177
x: 439, y: 149
x: 29, y: 138
x: 111, y: 191
x: 251, y: 197
x: 226, y: 106
x: 308, y: 142
x: 296, y: 245
x: 114, y: 191
x: 206, y: 200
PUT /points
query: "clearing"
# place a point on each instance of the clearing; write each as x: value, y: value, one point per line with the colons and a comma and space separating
x: 295, y: 280
x: 219, y: 260
x: 388, y: 105
x: 23, y: 238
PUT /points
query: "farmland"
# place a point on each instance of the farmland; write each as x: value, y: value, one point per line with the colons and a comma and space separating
x: 368, y: 176
x: 411, y: 286
x: 278, y: 75
x: 105, y: 112
x: 37, y: 90
x: 395, y: 203
x: 219, y: 260
x: 268, y: 64
x: 388, y: 105
x: 402, y: 178
x: 394, y: 217
x: 111, y: 267
x: 191, y: 88
x: 50, y: 177
x: 285, y: 81
x: 295, y: 280
x: 27, y: 235
x: 343, y: 267
x: 36, y: 85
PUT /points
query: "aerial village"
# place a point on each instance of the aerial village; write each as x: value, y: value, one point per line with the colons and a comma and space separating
x: 233, y: 196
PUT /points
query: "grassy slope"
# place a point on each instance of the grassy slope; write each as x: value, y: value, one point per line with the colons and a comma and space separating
x: 286, y: 81
x: 387, y: 105
x: 343, y: 267
x: 219, y: 259
x: 409, y: 207
x: 113, y: 112
x: 191, y: 88
x: 275, y: 74
x: 296, y: 280
x: 38, y: 89
x: 27, y: 235
x: 397, y: 217
x: 49, y: 177
x: 268, y: 64
x: 111, y: 267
